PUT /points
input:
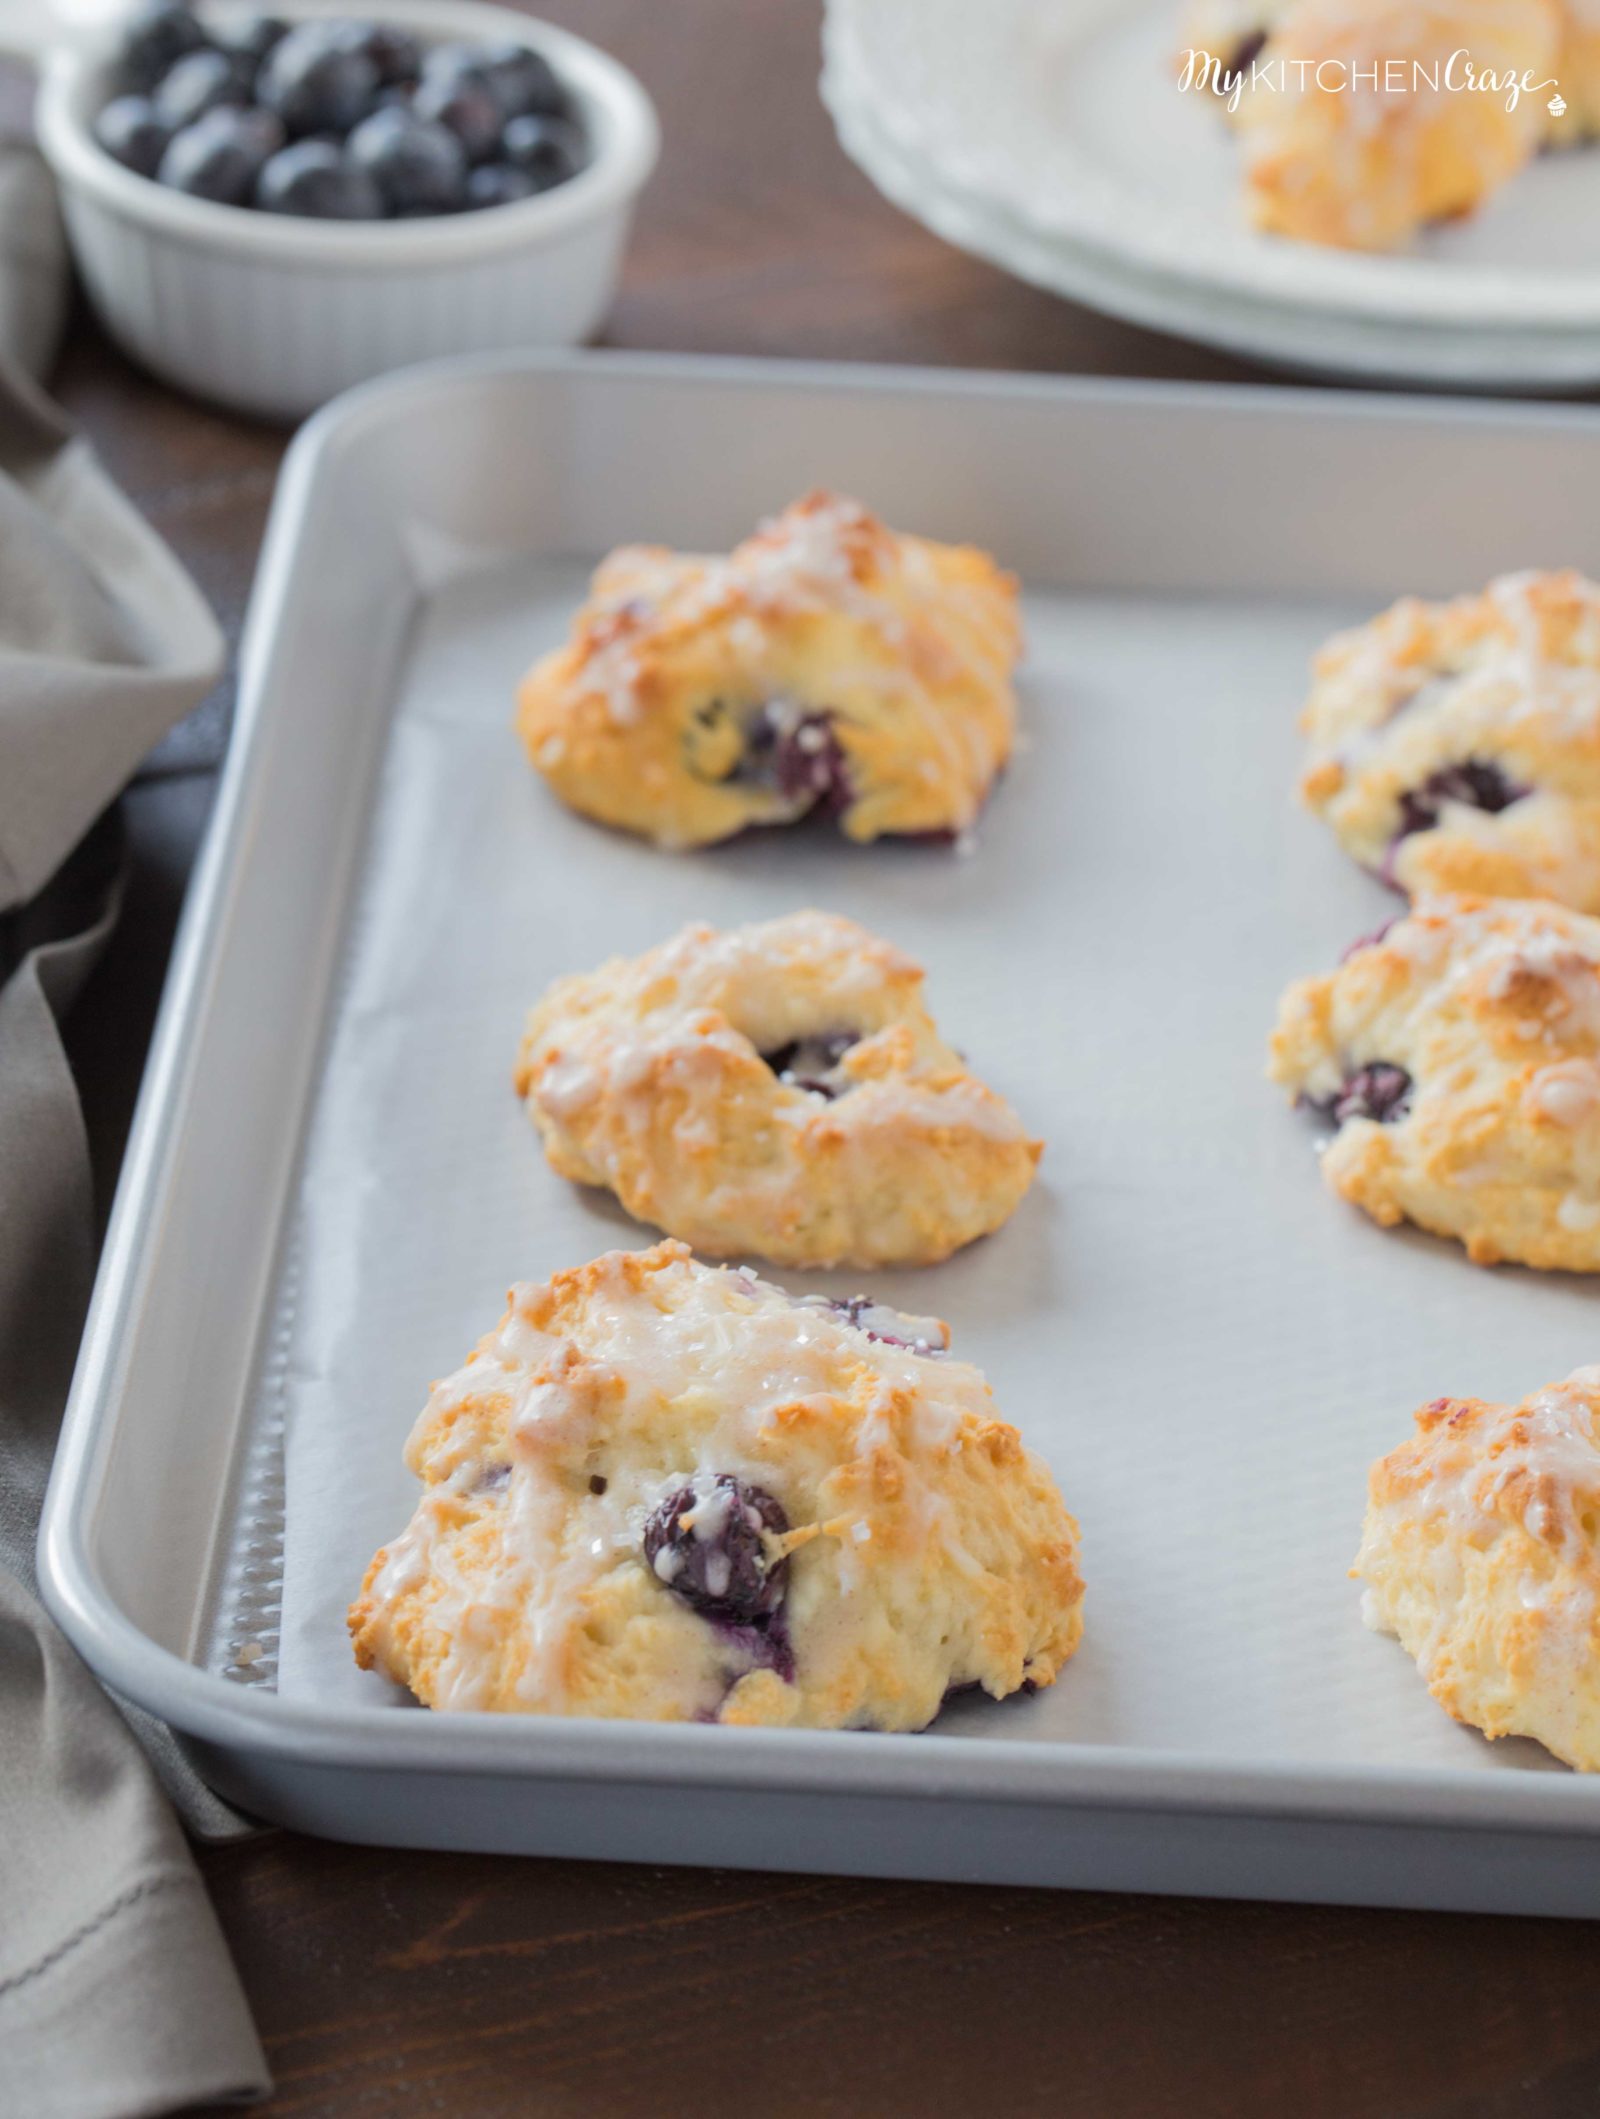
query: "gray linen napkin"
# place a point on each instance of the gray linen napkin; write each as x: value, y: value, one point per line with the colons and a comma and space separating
x: 117, y: 1995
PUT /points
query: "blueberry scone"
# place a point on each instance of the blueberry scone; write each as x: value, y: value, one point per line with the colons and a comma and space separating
x: 1457, y: 1057
x: 1334, y: 156
x: 1480, y: 1552
x: 1456, y: 746
x: 1233, y: 35
x: 778, y: 1090
x: 666, y: 1490
x: 826, y: 664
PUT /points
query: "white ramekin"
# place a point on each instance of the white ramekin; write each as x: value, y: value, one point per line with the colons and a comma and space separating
x: 273, y: 316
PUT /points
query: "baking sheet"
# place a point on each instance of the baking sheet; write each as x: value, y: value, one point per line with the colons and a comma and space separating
x: 1204, y: 1344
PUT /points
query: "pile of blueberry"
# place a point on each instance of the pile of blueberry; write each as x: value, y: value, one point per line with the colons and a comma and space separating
x: 338, y: 119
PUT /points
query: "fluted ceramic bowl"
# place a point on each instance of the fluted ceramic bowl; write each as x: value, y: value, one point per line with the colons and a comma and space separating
x: 273, y: 315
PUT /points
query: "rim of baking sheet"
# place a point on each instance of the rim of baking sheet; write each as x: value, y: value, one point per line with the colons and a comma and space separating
x: 251, y: 1720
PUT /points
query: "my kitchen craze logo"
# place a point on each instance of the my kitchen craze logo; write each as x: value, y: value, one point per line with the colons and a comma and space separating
x: 1262, y: 71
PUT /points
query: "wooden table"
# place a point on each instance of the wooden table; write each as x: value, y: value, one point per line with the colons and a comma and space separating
x: 405, y: 1984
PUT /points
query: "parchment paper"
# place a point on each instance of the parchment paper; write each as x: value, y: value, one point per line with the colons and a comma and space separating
x: 1206, y: 1346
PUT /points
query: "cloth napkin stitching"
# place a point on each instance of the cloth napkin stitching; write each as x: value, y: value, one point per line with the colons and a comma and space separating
x: 90, y: 1928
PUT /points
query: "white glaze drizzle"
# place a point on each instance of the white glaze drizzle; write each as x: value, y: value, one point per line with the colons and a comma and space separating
x: 692, y: 1331
x: 810, y: 558
x: 664, y: 1027
x: 1536, y: 1465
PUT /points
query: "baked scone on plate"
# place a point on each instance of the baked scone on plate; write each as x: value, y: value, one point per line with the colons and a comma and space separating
x: 1480, y: 1552
x: 1335, y: 155
x: 1235, y: 33
x: 827, y: 664
x: 779, y: 1091
x: 1456, y: 746
x: 1457, y: 1057
x: 665, y: 1490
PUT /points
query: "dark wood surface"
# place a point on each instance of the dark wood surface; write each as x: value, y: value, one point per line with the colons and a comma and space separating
x: 478, y: 1987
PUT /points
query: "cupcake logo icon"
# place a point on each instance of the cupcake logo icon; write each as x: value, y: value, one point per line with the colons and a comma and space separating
x: 1557, y: 105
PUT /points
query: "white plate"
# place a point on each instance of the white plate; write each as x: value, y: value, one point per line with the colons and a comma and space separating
x: 330, y: 1183
x: 1051, y: 137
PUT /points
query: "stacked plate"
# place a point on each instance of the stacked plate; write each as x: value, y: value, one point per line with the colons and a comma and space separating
x: 1053, y: 137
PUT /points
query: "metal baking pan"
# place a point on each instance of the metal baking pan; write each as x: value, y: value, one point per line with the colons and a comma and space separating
x: 329, y: 1184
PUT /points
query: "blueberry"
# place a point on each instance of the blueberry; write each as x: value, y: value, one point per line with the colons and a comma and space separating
x: 498, y: 184
x: 1479, y: 783
x: 248, y: 42
x: 809, y: 1062
x: 419, y: 166
x: 315, y: 83
x: 792, y: 751
x: 550, y: 149
x: 314, y: 178
x: 1379, y: 1091
x: 220, y: 156
x: 762, y: 1644
x: 707, y: 1543
x: 524, y: 82
x: 465, y: 104
x: 1246, y: 52
x: 129, y: 130
x: 200, y: 82
x: 453, y: 62
x: 394, y: 52
x: 920, y: 1335
x: 157, y: 36
x: 1369, y: 941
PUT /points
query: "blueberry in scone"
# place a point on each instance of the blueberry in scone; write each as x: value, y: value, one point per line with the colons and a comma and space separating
x: 1456, y: 1056
x: 777, y: 1091
x: 664, y: 1490
x: 1358, y: 129
x: 1348, y: 142
x: 1456, y: 746
x: 1480, y: 1552
x: 826, y: 665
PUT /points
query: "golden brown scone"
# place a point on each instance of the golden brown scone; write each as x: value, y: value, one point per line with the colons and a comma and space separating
x: 1457, y: 1055
x: 1234, y: 33
x: 668, y: 1491
x: 826, y: 664
x: 1479, y: 1552
x: 778, y: 1090
x: 1333, y: 158
x: 1456, y: 746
